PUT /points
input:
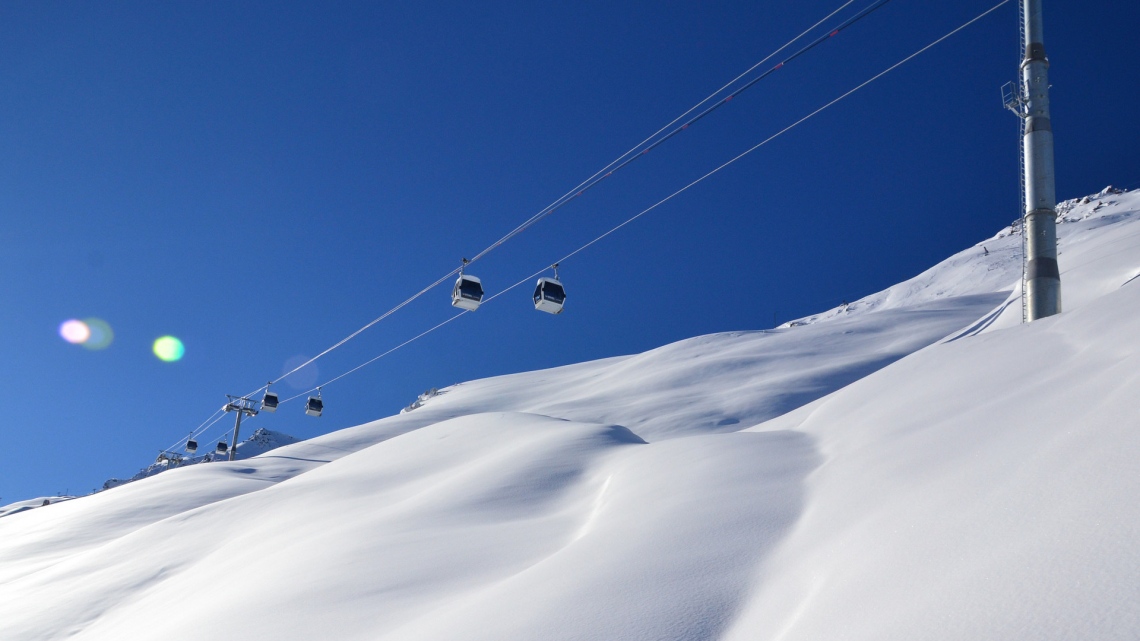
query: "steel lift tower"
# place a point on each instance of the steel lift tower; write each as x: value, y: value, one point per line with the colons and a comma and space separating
x: 1041, y: 287
x: 244, y: 406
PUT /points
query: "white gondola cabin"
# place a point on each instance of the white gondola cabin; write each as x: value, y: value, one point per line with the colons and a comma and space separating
x: 269, y: 402
x: 467, y: 293
x: 549, y: 295
x: 314, y: 406
x: 222, y: 448
x: 191, y: 446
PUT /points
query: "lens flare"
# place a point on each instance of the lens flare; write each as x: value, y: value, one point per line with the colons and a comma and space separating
x: 101, y: 334
x: 169, y: 349
x: 74, y: 331
x: 303, y: 378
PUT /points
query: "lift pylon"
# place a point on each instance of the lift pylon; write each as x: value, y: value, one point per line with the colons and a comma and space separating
x: 244, y: 406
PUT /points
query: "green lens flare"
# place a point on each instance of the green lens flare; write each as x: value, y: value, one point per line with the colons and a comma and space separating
x: 101, y: 335
x: 169, y: 349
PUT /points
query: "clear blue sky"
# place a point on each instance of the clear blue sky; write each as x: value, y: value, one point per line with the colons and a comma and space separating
x: 261, y: 179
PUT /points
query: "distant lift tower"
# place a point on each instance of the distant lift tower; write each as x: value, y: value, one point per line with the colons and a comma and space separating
x: 243, y: 405
x: 1042, y: 279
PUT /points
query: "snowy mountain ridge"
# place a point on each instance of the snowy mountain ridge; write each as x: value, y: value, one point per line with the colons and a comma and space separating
x: 258, y: 443
x: 916, y: 464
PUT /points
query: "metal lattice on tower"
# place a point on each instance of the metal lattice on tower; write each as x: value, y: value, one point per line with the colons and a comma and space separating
x: 1015, y: 103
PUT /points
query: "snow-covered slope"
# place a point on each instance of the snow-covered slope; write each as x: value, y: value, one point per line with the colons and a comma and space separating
x: 981, y: 489
x: 916, y: 464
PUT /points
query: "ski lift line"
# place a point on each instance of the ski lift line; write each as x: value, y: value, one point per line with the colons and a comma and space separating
x: 211, y: 424
x: 413, y: 339
x: 205, y: 425
x: 218, y: 415
x: 878, y: 4
x: 362, y: 329
x: 608, y: 170
x: 600, y: 175
x: 263, y: 387
x: 376, y: 358
x: 227, y: 430
x: 790, y: 127
x: 198, y: 430
x: 786, y: 129
x: 674, y: 194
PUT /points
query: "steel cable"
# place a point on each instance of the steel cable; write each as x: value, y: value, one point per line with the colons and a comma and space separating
x: 607, y: 171
x: 672, y: 195
x: 620, y: 162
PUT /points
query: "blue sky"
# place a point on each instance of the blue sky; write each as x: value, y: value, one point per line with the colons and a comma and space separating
x: 261, y: 179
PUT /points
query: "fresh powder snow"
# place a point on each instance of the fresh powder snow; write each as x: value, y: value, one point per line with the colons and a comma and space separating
x: 917, y: 464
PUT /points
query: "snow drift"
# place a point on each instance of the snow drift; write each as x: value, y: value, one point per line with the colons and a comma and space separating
x: 916, y: 464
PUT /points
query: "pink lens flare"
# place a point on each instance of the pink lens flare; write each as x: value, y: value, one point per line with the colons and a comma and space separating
x: 74, y: 331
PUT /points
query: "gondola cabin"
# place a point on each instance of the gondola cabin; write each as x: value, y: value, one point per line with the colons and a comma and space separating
x: 222, y: 448
x: 467, y: 293
x: 269, y: 402
x: 191, y: 446
x: 314, y: 406
x: 549, y: 295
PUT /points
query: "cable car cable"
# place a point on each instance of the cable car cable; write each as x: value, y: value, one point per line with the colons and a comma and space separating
x: 589, y: 182
x: 603, y: 173
x: 228, y: 430
x: 595, y: 179
x: 670, y: 196
x: 202, y: 427
x: 878, y: 4
x: 208, y: 426
x: 374, y: 359
x: 582, y: 187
